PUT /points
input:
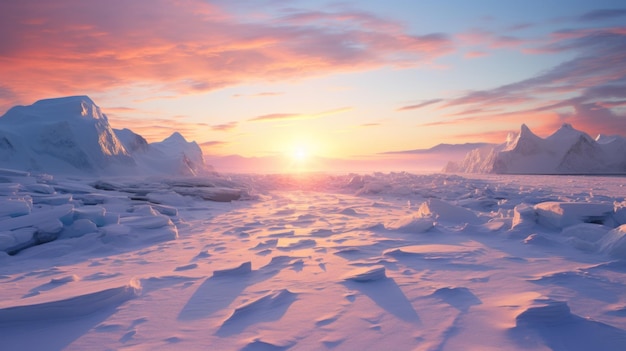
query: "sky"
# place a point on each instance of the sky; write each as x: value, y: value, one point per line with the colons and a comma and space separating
x: 336, y: 79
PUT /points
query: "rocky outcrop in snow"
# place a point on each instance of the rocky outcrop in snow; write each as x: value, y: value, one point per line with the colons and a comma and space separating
x: 71, y: 135
x: 567, y: 151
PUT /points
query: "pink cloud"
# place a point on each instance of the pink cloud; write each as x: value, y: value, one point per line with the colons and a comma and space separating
x: 72, y: 46
x: 475, y: 54
x: 276, y: 116
x: 263, y: 94
x: 420, y: 105
x: 225, y: 127
x: 293, y: 116
x: 484, y: 38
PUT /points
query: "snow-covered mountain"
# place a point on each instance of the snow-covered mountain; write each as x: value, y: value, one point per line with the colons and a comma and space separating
x: 173, y: 154
x: 567, y: 151
x: 71, y: 135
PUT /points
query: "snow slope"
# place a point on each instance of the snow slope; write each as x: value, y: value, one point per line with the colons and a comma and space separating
x: 71, y: 135
x: 173, y: 155
x: 315, y: 262
x: 567, y: 151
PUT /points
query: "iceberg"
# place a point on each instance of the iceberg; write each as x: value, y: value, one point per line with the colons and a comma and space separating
x: 567, y: 151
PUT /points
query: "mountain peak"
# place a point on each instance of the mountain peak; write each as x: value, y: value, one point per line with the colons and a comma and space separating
x: 65, y: 100
x: 70, y: 108
x: 567, y: 134
x: 566, y: 151
x: 176, y: 137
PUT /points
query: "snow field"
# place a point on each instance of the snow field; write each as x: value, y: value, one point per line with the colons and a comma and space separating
x: 307, y: 262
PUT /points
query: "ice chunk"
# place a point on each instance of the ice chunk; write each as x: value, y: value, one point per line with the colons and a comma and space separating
x: 79, y: 228
x: 13, y: 173
x: 560, y: 329
x: 95, y: 214
x: 36, y: 218
x: 10, y: 188
x: 367, y: 274
x: 77, y: 306
x: 146, y: 222
x: 165, y: 210
x: 620, y: 212
x: 411, y: 224
x: 219, y: 194
x: 563, y: 214
x: 524, y: 216
x: 586, y: 231
x: 614, y: 242
x: 268, y: 307
x: 551, y: 314
x: 7, y: 240
x: 53, y: 200
x: 243, y: 268
x: 143, y: 210
x: 22, y: 235
x: 14, y: 207
x: 446, y: 212
x: 39, y: 188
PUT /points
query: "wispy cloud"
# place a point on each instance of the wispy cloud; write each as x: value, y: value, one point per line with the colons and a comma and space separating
x: 370, y: 125
x: 52, y: 48
x: 475, y: 54
x: 212, y: 144
x: 588, y: 84
x: 420, y: 105
x: 603, y: 14
x: 225, y: 127
x: 488, y: 39
x: 262, y: 94
x: 295, y: 116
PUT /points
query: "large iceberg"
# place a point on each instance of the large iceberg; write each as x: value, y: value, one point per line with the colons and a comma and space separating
x: 567, y: 151
x: 71, y: 135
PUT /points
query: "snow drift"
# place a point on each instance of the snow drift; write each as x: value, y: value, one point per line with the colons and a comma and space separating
x: 567, y: 151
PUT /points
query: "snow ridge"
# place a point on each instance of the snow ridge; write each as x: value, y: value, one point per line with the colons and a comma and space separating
x: 567, y: 151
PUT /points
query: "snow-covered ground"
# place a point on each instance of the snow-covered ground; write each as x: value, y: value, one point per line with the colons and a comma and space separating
x: 312, y: 262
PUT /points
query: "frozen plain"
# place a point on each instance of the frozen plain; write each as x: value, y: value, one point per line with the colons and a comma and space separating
x: 313, y: 262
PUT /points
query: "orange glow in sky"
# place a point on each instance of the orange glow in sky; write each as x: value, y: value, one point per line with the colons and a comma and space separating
x: 308, y: 80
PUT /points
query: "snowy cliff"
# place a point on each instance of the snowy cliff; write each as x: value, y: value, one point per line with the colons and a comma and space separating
x: 71, y: 135
x: 567, y: 151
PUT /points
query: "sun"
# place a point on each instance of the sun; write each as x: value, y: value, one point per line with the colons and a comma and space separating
x: 299, y: 154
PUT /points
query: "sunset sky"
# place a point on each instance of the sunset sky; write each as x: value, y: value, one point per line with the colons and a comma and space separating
x: 342, y: 79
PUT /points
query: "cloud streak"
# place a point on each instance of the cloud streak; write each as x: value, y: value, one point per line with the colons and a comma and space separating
x: 225, y: 127
x: 420, y: 105
x: 272, y: 117
x: 188, y: 46
x: 603, y: 14
x: 595, y: 77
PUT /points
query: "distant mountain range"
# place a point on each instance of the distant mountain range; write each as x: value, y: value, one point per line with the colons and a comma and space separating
x: 70, y: 135
x: 442, y: 149
x: 567, y: 151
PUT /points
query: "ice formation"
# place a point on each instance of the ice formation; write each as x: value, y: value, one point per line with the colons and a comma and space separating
x: 567, y: 151
x: 71, y: 135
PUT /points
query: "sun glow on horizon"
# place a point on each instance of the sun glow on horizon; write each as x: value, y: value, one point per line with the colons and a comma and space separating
x: 300, y: 154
